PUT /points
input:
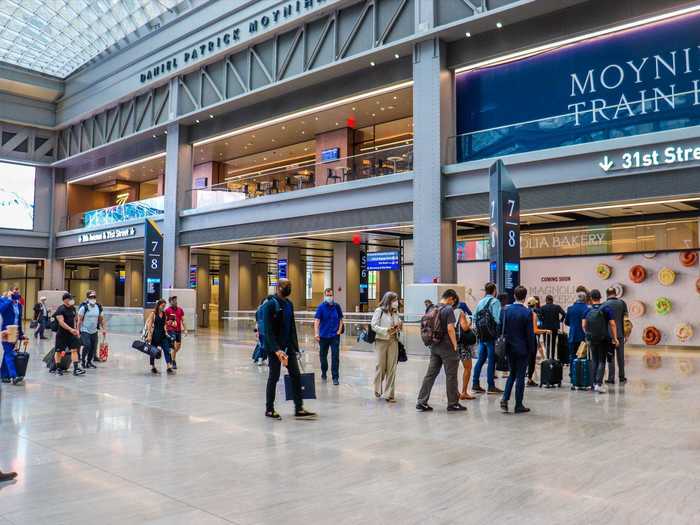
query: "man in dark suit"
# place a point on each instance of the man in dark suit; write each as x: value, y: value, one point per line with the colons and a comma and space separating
x: 516, y: 321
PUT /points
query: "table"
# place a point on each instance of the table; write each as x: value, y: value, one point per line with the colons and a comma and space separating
x: 395, y: 161
x: 301, y: 178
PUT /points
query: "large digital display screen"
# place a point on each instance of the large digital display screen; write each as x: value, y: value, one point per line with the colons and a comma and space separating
x: 377, y: 261
x: 16, y: 196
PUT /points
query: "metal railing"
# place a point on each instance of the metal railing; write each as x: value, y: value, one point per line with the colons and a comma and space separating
x: 301, y: 176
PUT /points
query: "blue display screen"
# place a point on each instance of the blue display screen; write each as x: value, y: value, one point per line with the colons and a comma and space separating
x: 282, y: 268
x: 637, y: 81
x: 328, y: 155
x: 377, y: 261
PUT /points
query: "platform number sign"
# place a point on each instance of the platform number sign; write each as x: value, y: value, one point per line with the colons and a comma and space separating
x: 504, y: 230
x: 152, y: 264
x: 364, y: 279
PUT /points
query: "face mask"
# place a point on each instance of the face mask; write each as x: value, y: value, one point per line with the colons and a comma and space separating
x: 328, y: 299
x: 395, y: 305
x: 92, y: 302
x: 286, y: 291
x: 16, y: 296
x: 71, y: 302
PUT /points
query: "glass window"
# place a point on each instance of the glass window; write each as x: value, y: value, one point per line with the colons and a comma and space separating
x: 372, y: 285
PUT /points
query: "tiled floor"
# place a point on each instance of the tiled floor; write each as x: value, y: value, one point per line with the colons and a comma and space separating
x: 121, y: 446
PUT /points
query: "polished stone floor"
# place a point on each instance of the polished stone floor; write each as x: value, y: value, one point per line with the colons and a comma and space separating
x: 121, y: 446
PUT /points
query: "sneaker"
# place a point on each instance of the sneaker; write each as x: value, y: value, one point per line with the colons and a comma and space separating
x: 260, y: 361
x: 78, y: 372
x: 59, y: 371
x: 90, y: 365
x: 174, y: 365
x: 7, y: 476
x: 170, y: 371
x: 6, y: 380
x: 623, y: 380
x: 324, y: 377
x: 599, y: 389
x: 530, y: 382
x: 609, y: 381
x: 18, y: 381
x: 521, y: 409
x: 336, y: 382
x: 504, y: 406
x: 273, y: 415
x: 377, y: 395
x: 456, y: 408
x: 304, y: 414
x: 494, y: 390
x: 391, y: 400
x: 154, y: 370
x: 478, y: 390
x: 424, y: 407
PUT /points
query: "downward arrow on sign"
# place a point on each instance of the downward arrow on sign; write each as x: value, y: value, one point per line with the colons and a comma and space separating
x: 607, y: 164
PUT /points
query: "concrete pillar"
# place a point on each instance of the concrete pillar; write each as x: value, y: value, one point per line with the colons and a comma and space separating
x: 54, y: 269
x: 260, y: 288
x: 296, y: 273
x: 106, y: 284
x: 318, y: 284
x: 224, y: 289
x: 242, y: 282
x: 388, y: 280
x: 434, y: 123
x: 203, y: 291
x: 346, y: 275
x: 133, y: 285
x: 178, y: 180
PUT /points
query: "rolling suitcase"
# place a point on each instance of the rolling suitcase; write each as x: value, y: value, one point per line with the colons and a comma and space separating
x: 21, y: 363
x: 551, y: 369
x: 581, y: 373
x: 563, y: 348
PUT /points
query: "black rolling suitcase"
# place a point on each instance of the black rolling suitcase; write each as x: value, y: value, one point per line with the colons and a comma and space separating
x: 551, y: 369
x: 21, y: 363
x: 563, y: 348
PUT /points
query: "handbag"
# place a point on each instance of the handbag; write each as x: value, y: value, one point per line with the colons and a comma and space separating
x: 403, y: 356
x: 501, y: 343
x: 308, y: 384
x: 371, y: 335
x: 33, y: 324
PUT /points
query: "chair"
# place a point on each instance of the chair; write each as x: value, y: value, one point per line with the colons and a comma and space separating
x: 275, y: 188
x: 332, y: 175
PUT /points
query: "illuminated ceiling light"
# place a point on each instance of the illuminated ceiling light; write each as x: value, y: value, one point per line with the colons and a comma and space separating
x: 196, y: 121
x: 336, y: 123
x: 305, y: 112
x: 225, y: 143
x: 253, y: 136
x: 499, y: 25
x: 353, y: 108
x: 374, y: 114
x: 284, y: 127
x: 303, y: 132
x: 117, y: 168
x: 211, y: 116
x: 396, y: 55
x: 573, y: 40
x: 166, y: 132
x: 154, y: 136
x: 372, y: 64
x: 469, y: 35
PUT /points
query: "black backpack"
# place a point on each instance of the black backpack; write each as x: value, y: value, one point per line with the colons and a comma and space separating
x: 597, y: 328
x: 486, y: 325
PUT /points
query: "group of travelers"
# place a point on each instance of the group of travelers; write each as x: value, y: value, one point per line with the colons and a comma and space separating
x: 163, y: 330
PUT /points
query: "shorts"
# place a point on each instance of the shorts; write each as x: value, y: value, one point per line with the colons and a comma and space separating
x: 465, y: 352
x: 67, y: 342
x: 175, y: 337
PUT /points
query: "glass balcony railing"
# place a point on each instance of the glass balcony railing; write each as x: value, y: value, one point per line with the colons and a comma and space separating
x: 115, y: 214
x: 367, y: 165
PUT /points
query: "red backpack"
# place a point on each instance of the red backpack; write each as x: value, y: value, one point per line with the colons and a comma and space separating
x: 431, y: 329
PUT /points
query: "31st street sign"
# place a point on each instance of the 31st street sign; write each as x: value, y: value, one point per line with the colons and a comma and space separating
x: 650, y: 157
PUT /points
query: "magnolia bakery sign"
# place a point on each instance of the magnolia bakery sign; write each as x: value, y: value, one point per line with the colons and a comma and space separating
x: 232, y: 36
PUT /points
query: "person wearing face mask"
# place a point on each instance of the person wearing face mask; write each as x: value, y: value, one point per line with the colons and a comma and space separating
x: 41, y: 316
x: 328, y: 325
x: 282, y: 347
x: 443, y: 353
x: 156, y: 335
x: 11, y: 312
x: 67, y: 335
x: 386, y: 324
x: 90, y: 322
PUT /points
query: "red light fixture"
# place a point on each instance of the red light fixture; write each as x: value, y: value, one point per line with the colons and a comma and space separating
x: 351, y: 122
x: 356, y: 239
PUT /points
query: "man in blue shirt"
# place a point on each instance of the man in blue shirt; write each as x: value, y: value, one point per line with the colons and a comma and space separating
x: 281, y: 346
x: 11, y: 312
x: 520, y: 344
x: 573, y: 319
x: 486, y: 345
x: 328, y: 325
x: 601, y: 334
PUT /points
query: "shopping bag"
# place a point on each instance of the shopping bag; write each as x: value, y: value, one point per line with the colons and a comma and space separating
x: 308, y: 386
x: 104, y: 351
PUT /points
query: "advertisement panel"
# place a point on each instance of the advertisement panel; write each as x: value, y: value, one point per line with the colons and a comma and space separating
x: 16, y: 196
x: 632, y: 82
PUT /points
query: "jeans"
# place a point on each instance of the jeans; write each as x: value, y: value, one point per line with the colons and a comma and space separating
x: 164, y: 345
x: 487, y: 350
x: 599, y: 355
x: 441, y: 356
x: 573, y: 348
x: 619, y: 353
x: 334, y: 344
x: 8, y: 370
x: 518, y: 367
x: 294, y: 375
x: 89, y: 342
x: 41, y: 326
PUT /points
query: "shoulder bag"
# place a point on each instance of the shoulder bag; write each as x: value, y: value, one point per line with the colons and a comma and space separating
x: 501, y: 344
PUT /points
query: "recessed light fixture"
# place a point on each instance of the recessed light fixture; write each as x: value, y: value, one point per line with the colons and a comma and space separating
x: 372, y: 64
x: 284, y: 127
x: 396, y: 55
x: 273, y: 140
x: 225, y: 143
x: 252, y: 136
x: 303, y: 132
x: 264, y: 158
x: 336, y: 123
x: 499, y: 25
x: 166, y: 131
x: 374, y: 114
x: 469, y: 35
x: 211, y: 116
x: 196, y: 121
x: 154, y: 136
x: 382, y: 108
x: 354, y: 108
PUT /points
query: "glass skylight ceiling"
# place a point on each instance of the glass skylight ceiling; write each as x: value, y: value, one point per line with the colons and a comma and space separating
x: 58, y: 36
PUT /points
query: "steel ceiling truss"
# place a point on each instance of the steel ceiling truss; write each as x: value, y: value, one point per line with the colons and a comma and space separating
x: 27, y: 144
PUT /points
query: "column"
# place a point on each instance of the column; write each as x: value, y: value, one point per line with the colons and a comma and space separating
x: 54, y: 269
x: 433, y: 116
x: 346, y: 275
x: 296, y: 273
x: 260, y: 290
x: 241, y: 282
x: 203, y: 291
x: 106, y: 284
x: 133, y: 285
x: 224, y: 287
x: 178, y: 180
